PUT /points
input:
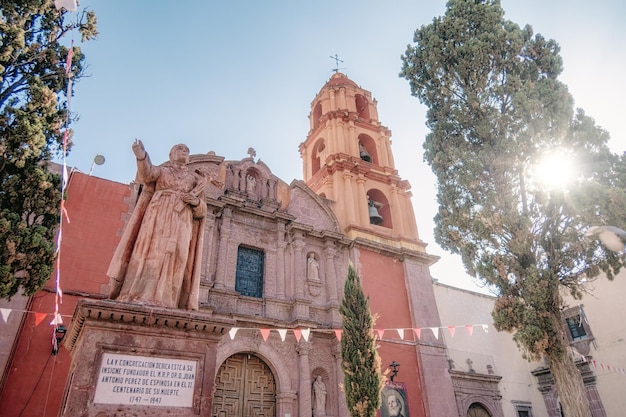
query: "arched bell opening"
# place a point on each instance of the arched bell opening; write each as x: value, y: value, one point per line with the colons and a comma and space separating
x: 378, y: 209
x: 362, y: 107
x: 367, y: 149
x: 316, y: 159
x: 316, y: 115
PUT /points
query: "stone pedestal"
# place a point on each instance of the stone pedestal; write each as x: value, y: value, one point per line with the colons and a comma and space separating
x: 138, y: 360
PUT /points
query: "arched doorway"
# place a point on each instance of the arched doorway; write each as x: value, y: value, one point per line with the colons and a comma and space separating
x: 244, y: 386
x: 477, y: 410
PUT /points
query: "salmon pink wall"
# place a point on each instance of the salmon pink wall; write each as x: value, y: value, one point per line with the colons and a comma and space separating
x: 383, y: 282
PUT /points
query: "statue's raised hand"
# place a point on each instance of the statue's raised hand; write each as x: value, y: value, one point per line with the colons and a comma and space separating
x: 139, y: 150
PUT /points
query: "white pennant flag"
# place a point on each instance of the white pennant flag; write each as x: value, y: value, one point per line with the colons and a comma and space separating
x: 56, y: 320
x: 435, y: 332
x: 282, y: 333
x: 69, y: 5
x: 305, y: 334
x: 5, y: 314
x: 232, y: 332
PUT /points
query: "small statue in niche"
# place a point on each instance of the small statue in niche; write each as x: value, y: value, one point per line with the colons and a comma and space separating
x: 250, y: 183
x: 319, y: 394
x: 313, y: 268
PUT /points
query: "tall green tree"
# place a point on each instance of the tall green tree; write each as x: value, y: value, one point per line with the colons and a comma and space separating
x: 359, y: 358
x: 33, y: 112
x: 495, y: 108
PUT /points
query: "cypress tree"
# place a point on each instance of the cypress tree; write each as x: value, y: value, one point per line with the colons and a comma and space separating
x: 360, y: 361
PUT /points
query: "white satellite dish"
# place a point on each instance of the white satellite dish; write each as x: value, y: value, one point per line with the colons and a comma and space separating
x: 97, y: 160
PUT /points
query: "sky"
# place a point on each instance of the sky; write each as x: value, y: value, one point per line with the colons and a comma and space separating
x: 224, y: 76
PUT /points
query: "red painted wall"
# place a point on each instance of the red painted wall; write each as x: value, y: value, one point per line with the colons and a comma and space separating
x: 36, y: 380
x: 383, y: 282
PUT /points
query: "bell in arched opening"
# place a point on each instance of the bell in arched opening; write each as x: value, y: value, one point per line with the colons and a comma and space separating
x: 375, y: 217
x: 364, y: 154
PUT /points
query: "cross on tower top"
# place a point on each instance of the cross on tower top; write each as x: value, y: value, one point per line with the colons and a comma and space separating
x: 251, y: 152
x: 337, y: 61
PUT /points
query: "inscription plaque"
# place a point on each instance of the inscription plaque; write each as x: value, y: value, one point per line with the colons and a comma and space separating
x: 144, y: 380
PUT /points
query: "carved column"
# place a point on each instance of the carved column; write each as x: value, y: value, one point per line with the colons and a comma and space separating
x: 398, y: 213
x: 349, y: 198
x: 331, y: 277
x: 286, y: 404
x: 235, y: 179
x: 363, y: 210
x: 224, y: 238
x: 299, y: 266
x: 281, y: 284
x: 304, y: 389
x: 272, y: 189
x: 207, y: 248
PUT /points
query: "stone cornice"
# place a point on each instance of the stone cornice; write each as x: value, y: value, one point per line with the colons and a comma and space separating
x: 109, y: 312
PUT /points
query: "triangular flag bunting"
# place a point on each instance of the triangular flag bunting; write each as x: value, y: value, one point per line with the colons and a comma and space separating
x: 70, y: 54
x: 380, y: 333
x: 400, y: 333
x: 69, y: 5
x: 282, y: 333
x: 435, y: 332
x: 417, y: 331
x: 485, y: 328
x: 232, y: 332
x: 469, y: 328
x: 5, y: 314
x: 39, y: 318
x: 298, y: 334
x: 338, y: 334
x: 265, y: 333
x: 306, y: 333
x: 451, y: 329
x: 56, y: 320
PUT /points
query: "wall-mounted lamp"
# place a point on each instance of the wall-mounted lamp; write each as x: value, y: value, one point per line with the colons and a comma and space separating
x: 59, y: 334
x: 394, y: 369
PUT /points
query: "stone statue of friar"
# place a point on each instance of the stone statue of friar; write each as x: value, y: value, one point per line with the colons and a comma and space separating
x: 157, y: 261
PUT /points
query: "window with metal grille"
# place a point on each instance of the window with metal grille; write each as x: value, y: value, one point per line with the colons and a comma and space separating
x: 522, y: 409
x: 249, y: 278
x: 576, y: 328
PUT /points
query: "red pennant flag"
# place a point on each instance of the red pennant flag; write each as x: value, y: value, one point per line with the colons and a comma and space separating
x: 265, y: 333
x: 298, y: 334
x: 451, y: 329
x: 39, y: 318
x: 469, y: 328
x: 417, y: 331
x: 338, y: 333
x: 380, y: 333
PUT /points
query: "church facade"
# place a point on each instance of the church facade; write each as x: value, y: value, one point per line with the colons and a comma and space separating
x: 274, y: 262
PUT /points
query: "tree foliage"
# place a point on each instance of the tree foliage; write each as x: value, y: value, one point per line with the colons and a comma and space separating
x: 360, y: 361
x: 33, y: 112
x: 496, y: 108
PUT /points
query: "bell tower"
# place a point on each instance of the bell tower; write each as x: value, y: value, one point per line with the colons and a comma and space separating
x: 347, y: 159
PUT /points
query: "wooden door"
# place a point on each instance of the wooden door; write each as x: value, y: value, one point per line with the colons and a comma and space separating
x: 244, y: 387
x: 477, y: 410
